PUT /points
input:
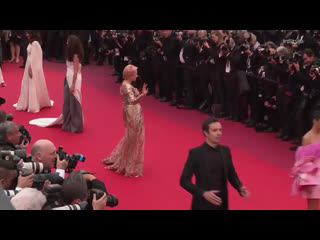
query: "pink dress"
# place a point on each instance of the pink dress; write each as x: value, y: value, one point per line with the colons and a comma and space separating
x: 306, y: 171
x: 127, y: 157
x: 34, y: 93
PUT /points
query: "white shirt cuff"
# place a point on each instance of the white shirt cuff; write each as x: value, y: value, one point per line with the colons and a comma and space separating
x: 61, y: 172
x: 18, y: 189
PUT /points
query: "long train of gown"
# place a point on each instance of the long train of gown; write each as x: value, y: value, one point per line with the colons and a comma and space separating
x: 127, y: 157
x: 71, y: 118
x: 34, y: 93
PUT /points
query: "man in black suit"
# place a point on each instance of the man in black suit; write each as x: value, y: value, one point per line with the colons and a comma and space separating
x: 212, y: 165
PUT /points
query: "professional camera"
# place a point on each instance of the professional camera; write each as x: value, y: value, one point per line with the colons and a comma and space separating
x: 292, y: 42
x: 295, y: 58
x: 156, y: 36
x: 14, y: 156
x: 315, y: 68
x: 39, y: 179
x: 25, y: 136
x: 71, y: 159
x: 244, y: 47
x: 112, y: 201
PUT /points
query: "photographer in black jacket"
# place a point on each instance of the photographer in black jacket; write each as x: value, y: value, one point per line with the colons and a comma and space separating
x: 299, y: 87
x: 75, y: 190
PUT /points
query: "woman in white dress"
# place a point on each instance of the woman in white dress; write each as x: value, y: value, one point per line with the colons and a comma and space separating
x: 34, y: 93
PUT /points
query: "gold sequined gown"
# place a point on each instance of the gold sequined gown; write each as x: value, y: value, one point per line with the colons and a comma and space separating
x: 127, y: 157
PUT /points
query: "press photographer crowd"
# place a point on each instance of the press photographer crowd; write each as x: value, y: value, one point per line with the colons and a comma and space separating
x: 266, y: 79
x: 27, y: 180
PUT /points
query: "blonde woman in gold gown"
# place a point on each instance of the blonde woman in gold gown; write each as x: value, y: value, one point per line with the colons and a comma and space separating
x: 127, y: 157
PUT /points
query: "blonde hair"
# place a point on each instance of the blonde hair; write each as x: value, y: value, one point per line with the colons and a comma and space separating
x: 128, y: 71
x: 219, y: 35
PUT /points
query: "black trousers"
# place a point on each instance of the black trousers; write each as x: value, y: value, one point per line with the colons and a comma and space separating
x: 168, y: 81
x: 284, y: 107
x: 85, y: 45
x: 299, y: 110
x: 188, y: 76
x: 203, y: 80
x: 231, y: 94
x: 155, y: 76
x: 253, y: 97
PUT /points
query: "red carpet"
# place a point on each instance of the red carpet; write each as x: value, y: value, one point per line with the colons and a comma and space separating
x: 262, y: 162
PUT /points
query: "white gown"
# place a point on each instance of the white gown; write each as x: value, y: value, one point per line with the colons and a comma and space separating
x: 34, y: 93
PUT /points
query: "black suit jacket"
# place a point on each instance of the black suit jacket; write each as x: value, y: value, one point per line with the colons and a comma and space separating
x: 197, y: 164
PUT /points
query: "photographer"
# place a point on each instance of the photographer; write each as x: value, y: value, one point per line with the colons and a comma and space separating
x: 170, y: 47
x: 187, y: 56
x: 104, y: 48
x: 10, y: 136
x: 156, y: 65
x: 232, y: 55
x: 44, y: 151
x: 75, y: 190
x: 253, y: 63
x: 11, y: 179
x: 202, y: 72
x: 299, y: 87
x: 28, y: 199
x: 217, y: 65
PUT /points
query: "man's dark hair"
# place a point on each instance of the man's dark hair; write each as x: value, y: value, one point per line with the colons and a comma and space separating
x: 309, y: 52
x: 74, y: 187
x: 5, y: 168
x: 5, y: 128
x: 74, y: 48
x: 316, y: 115
x: 207, y: 122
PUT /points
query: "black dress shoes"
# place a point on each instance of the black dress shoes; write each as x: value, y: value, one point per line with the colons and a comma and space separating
x: 164, y: 99
x: 270, y: 130
x: 286, y: 138
x: 250, y: 124
x: 156, y: 96
x: 173, y: 103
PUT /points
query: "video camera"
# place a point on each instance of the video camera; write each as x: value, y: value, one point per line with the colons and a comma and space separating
x: 71, y: 159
